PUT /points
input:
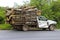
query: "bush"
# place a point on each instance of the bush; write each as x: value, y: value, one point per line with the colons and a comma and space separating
x: 5, y: 27
x: 1, y: 19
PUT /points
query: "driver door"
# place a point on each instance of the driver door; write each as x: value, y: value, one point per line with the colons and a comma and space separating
x: 42, y: 22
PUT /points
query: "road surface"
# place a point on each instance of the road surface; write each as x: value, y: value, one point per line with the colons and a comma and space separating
x: 29, y: 35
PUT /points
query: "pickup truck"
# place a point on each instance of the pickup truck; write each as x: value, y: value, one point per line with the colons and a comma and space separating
x: 26, y: 18
x: 44, y: 23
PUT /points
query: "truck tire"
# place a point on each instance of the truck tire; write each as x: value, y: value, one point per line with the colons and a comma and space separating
x: 25, y: 28
x: 51, y: 27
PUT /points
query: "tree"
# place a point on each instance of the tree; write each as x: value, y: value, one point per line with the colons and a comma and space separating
x: 50, y: 9
x: 56, y: 10
x: 44, y: 6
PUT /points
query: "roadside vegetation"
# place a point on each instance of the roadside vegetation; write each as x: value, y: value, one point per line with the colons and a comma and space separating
x: 51, y: 10
x: 2, y: 20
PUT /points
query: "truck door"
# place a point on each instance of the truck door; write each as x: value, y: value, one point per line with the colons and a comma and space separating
x: 42, y: 22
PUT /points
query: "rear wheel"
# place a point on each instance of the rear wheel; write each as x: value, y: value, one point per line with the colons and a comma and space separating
x: 25, y: 28
x: 51, y: 27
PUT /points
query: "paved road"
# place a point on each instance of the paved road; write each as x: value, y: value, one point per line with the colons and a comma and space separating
x: 29, y: 35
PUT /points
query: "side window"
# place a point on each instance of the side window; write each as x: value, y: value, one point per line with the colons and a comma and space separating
x: 42, y: 18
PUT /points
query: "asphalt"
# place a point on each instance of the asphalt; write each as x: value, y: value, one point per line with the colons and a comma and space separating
x: 29, y: 35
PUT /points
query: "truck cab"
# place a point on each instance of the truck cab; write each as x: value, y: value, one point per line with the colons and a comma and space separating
x: 44, y: 23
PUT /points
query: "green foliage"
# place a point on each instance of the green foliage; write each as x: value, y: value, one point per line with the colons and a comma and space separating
x: 5, y: 26
x: 2, y: 20
x: 2, y: 12
x: 35, y: 3
x: 49, y: 9
x: 56, y: 10
x: 56, y: 7
x: 44, y: 6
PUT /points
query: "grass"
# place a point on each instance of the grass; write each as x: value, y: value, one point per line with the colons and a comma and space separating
x: 5, y: 27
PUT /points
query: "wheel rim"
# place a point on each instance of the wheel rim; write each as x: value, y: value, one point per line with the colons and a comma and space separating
x: 25, y: 28
x: 52, y: 27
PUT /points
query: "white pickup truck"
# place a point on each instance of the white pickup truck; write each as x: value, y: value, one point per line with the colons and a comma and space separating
x: 44, y: 23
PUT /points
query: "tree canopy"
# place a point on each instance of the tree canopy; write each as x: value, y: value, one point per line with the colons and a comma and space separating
x: 50, y: 9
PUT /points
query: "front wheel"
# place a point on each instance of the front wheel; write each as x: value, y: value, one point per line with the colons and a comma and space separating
x: 51, y: 27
